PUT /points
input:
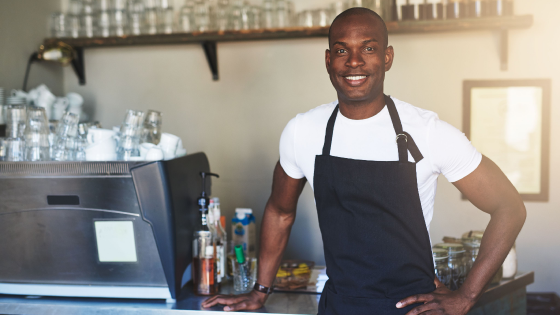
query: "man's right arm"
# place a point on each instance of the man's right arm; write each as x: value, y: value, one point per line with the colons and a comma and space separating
x: 279, y: 216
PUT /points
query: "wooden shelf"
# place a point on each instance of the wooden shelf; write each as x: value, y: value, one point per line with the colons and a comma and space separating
x: 209, y: 39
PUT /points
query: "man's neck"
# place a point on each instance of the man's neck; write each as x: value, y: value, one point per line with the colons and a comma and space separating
x: 358, y: 110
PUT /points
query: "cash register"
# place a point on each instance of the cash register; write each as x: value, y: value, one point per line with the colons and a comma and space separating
x: 98, y: 229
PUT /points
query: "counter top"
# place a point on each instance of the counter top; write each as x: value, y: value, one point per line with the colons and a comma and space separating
x: 278, y: 303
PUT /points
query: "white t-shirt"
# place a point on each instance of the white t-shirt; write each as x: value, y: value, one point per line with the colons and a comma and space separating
x: 446, y: 150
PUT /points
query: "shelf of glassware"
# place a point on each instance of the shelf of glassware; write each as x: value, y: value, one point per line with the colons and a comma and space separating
x: 209, y: 39
x: 400, y: 27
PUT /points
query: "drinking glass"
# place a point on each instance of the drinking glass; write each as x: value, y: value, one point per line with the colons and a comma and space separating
x: 268, y: 14
x: 58, y: 25
x: 103, y: 23
x: 87, y: 19
x: 166, y: 19
x: 306, y: 18
x: 36, y: 135
x: 152, y: 127
x: 129, y: 137
x: 282, y: 17
x: 237, y: 15
x: 151, y: 17
x: 119, y: 22
x: 15, y: 149
x: 256, y: 22
x: 223, y: 15
x: 136, y: 19
x: 322, y: 17
x: 201, y: 16
x: 186, y: 17
x: 16, y: 116
x: 244, y: 275
x: 64, y: 143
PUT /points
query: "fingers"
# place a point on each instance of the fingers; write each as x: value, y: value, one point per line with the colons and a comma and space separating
x: 423, y: 309
x: 223, y: 299
x: 419, y: 298
x: 236, y: 307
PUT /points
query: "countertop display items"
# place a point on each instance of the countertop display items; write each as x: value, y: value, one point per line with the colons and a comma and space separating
x: 42, y: 127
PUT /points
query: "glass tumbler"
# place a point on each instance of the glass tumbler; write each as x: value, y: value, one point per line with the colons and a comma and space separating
x: 37, y: 135
x: 129, y: 137
x: 16, y: 116
x: 15, y: 149
x: 58, y: 25
x: 152, y: 127
x: 64, y: 144
x: 244, y: 275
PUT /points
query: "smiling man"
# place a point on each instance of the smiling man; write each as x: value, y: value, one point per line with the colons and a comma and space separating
x: 373, y: 163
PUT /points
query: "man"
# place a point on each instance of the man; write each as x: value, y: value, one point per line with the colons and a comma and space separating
x: 375, y: 194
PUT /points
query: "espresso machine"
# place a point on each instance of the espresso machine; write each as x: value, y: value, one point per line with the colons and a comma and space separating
x: 99, y: 229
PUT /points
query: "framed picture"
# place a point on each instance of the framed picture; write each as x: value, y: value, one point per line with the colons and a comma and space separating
x: 509, y: 122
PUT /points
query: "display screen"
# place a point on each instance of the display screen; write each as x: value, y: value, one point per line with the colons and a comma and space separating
x: 115, y: 241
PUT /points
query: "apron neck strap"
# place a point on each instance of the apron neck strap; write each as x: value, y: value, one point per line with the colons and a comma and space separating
x: 404, y: 140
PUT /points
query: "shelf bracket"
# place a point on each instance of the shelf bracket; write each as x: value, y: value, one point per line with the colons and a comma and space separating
x: 211, y: 52
x: 504, y: 49
x: 78, y: 65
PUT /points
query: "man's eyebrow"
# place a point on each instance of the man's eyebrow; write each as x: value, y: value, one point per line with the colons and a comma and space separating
x: 370, y: 41
x: 340, y: 43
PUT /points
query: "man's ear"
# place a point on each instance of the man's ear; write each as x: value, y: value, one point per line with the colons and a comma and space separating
x: 389, y: 56
x: 328, y: 60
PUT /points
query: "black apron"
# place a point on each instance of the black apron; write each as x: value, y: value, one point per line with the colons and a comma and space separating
x: 377, y: 247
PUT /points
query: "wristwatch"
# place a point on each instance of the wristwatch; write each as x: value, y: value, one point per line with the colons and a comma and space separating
x: 262, y: 289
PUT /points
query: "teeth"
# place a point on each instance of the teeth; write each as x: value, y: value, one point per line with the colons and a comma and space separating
x: 356, y: 77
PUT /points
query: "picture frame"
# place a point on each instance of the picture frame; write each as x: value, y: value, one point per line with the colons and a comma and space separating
x: 509, y: 122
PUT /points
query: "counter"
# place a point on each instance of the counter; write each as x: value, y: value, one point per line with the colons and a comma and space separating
x: 509, y: 297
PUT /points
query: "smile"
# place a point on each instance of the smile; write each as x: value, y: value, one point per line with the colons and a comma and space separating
x: 356, y: 80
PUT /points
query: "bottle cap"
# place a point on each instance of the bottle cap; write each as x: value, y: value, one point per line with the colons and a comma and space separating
x: 240, y: 213
x: 239, y: 254
x: 216, y: 200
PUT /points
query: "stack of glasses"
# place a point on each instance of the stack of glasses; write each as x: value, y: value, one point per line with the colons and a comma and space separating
x: 65, y: 138
x: 14, y: 144
x: 37, y: 135
x: 128, y: 146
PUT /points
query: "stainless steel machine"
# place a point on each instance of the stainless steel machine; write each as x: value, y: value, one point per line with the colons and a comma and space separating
x: 98, y: 229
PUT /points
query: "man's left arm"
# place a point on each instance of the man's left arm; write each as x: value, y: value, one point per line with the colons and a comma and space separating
x: 489, y: 190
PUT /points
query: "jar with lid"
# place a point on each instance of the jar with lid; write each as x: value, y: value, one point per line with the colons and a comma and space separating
x: 456, y: 264
x: 471, y: 252
x: 441, y: 267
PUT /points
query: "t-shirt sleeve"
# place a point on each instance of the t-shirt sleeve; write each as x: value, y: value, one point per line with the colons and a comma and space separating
x: 453, y: 155
x: 288, y: 159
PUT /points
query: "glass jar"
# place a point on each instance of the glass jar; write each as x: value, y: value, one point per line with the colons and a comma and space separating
x: 441, y: 267
x: 471, y: 252
x: 456, y: 264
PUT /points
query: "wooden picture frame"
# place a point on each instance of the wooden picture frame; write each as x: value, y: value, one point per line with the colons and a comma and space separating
x: 509, y: 122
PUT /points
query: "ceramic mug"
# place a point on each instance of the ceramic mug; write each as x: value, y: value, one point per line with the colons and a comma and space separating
x: 168, y: 144
x: 102, y: 151
x: 154, y: 154
x: 145, y: 147
x: 97, y: 135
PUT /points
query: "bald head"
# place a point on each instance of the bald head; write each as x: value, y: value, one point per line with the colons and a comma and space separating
x: 364, y: 14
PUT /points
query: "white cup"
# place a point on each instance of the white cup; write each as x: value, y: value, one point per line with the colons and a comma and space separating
x: 59, y: 107
x: 154, y: 154
x: 99, y: 135
x: 102, y: 151
x: 145, y: 147
x: 168, y: 144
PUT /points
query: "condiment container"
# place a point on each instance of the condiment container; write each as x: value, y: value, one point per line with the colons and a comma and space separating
x: 441, y: 267
x: 456, y: 264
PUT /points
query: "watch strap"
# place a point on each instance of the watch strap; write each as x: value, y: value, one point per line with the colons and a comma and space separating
x: 262, y: 288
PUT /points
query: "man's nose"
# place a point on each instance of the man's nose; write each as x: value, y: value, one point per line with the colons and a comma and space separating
x: 355, y: 60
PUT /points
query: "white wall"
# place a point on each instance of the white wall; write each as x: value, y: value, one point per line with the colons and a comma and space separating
x: 23, y: 26
x: 238, y: 120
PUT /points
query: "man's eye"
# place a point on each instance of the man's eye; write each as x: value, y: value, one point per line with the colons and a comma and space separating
x: 369, y: 49
x: 341, y: 51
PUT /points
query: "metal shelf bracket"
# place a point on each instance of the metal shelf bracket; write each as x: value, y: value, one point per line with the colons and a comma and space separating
x: 78, y: 65
x: 211, y: 52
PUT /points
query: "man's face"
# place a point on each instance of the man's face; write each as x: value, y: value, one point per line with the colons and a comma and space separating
x: 357, y: 59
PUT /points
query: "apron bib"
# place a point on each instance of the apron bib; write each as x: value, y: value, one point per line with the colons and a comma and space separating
x: 377, y: 247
